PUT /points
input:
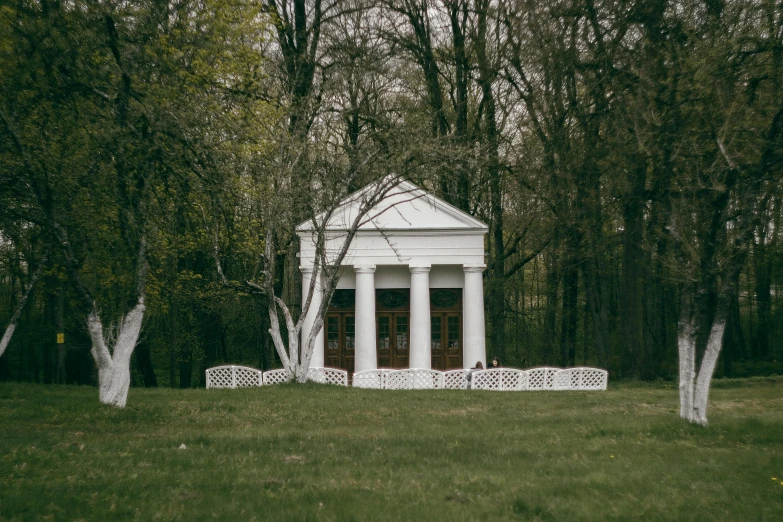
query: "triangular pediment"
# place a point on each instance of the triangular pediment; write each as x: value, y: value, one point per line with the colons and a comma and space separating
x: 405, y: 207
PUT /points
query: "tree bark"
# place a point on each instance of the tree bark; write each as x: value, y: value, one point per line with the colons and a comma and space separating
x: 735, y: 338
x: 9, y: 330
x: 60, y: 372
x: 686, y: 347
x: 570, y: 316
x: 497, y: 271
x: 552, y: 300
x: 708, y: 362
x: 172, y: 335
x: 458, y: 16
x: 114, y: 369
x: 763, y: 272
x: 632, y: 311
x: 144, y: 362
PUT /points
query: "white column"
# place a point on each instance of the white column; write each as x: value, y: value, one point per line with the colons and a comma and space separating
x: 366, y: 355
x: 420, y: 317
x: 317, y: 361
x: 474, y: 348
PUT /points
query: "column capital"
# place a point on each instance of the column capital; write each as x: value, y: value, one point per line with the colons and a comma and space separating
x: 474, y: 268
x: 364, y: 269
x: 306, y: 269
x: 419, y: 268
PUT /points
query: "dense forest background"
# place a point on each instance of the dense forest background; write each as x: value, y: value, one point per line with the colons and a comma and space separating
x: 612, y: 147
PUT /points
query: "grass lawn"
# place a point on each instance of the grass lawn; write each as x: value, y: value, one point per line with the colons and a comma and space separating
x: 324, y: 453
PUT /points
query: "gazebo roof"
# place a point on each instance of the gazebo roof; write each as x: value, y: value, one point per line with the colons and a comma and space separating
x: 406, y: 207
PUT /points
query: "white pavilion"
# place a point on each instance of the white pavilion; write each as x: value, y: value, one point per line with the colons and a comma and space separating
x: 410, y: 293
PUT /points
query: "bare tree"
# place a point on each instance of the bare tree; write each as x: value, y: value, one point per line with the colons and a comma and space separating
x: 9, y: 330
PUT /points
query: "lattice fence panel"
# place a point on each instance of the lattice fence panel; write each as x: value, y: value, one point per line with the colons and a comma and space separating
x: 220, y: 377
x: 500, y: 379
x: 593, y: 379
x: 423, y: 379
x: 328, y: 376
x: 562, y: 380
x: 568, y: 379
x: 576, y: 379
x: 369, y: 379
x: 247, y: 377
x: 514, y: 380
x: 336, y: 376
x: 491, y: 379
x: 455, y: 380
x: 398, y: 380
x: 541, y: 378
x: 277, y: 376
x: 316, y: 375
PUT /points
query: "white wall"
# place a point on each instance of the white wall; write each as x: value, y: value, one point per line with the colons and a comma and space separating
x: 441, y: 276
x: 403, y: 248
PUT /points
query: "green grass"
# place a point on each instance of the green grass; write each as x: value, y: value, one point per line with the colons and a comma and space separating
x: 324, y: 453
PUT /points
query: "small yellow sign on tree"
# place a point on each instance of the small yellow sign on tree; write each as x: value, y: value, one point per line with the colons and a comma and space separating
x: 60, y: 338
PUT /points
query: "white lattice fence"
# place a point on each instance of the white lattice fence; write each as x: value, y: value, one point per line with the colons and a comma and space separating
x: 375, y: 379
x: 232, y: 376
x: 515, y: 380
x: 220, y: 377
x: 541, y: 378
x: 500, y: 379
x: 328, y: 376
x: 425, y: 379
x: 567, y: 379
x: 594, y: 379
x: 397, y: 380
x: 414, y: 379
x: 581, y: 379
x: 455, y: 380
x: 277, y: 376
x: 486, y: 380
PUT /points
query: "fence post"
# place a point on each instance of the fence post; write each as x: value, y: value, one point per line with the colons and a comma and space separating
x: 233, y: 377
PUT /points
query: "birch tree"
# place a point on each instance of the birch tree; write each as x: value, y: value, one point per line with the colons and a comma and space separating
x: 727, y: 179
x: 331, y: 251
x: 136, y: 100
x: 9, y: 330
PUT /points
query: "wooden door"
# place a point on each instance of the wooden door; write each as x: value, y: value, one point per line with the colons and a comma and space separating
x: 437, y: 344
x: 340, y: 341
x: 393, y: 343
x: 446, y: 341
x: 452, y: 329
x: 401, y: 355
x: 333, y: 334
x: 446, y: 328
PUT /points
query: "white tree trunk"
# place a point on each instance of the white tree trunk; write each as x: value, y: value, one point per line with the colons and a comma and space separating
x: 6, y: 340
x: 686, y: 346
x: 708, y: 362
x: 695, y: 388
x: 294, y: 359
x: 9, y: 331
x: 114, y: 369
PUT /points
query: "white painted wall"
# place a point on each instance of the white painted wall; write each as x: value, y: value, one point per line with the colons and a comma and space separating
x: 386, y: 276
x: 447, y: 276
x: 402, y: 248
